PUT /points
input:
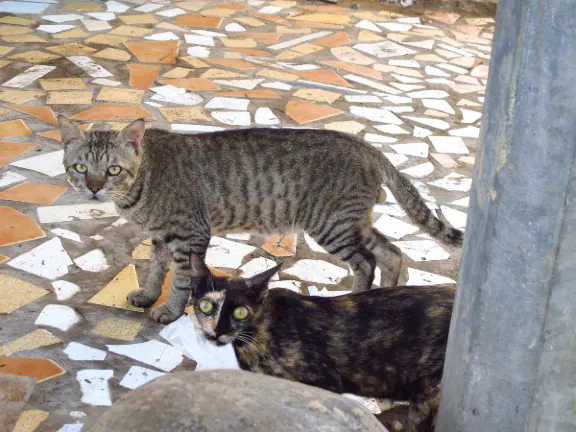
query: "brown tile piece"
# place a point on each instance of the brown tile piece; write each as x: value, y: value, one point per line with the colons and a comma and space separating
x: 130, y: 31
x: 83, y: 7
x: 237, y: 6
x: 263, y: 94
x: 9, y: 30
x: 305, y: 112
x: 16, y: 227
x: 252, y: 22
x: 113, y: 112
x: 233, y: 94
x: 76, y: 33
x: 24, y: 39
x: 14, y: 393
x: 115, y: 292
x: 18, y: 96
x: 269, y: 17
x: 155, y: 51
x: 198, y: 21
x: 193, y: 84
x: 184, y: 113
x: 14, y: 128
x: 36, y: 339
x: 116, y: 328
x: 234, y: 64
x: 318, y: 25
x: 281, y: 246
x: 239, y: 43
x: 317, y: 95
x: 17, y: 21
x: 138, y: 19
x: 142, y: 76
x: 16, y: 293
x: 361, y: 70
x: 107, y: 39
x: 260, y: 36
x: 307, y: 48
x: 252, y: 52
x: 41, y: 112
x: 30, y: 420
x: 221, y: 73
x: 114, y: 94
x: 3, y: 258
x: 113, y: 54
x: 272, y: 74
x: 5, y: 50
x: 324, y: 76
x: 71, y: 49
x: 323, y: 18
x: 37, y: 193
x: 177, y: 72
x: 35, y: 57
x: 335, y: 40
x: 40, y: 369
x: 218, y: 12
x: 10, y: 150
x: 62, y: 84
x: 194, y: 62
x: 69, y: 98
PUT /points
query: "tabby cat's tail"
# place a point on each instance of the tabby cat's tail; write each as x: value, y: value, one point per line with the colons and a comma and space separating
x: 413, y: 204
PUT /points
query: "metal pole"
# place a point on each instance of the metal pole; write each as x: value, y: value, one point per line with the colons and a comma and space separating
x: 511, y: 358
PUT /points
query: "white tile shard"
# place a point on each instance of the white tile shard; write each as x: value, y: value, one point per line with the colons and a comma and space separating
x: 418, y: 277
x: 80, y: 352
x: 49, y: 260
x: 65, y: 290
x: 449, y: 144
x: 93, y: 261
x: 137, y: 376
x: 58, y: 316
x: 94, y: 386
x: 88, y: 66
x: 67, y: 234
x: 233, y: 118
x: 28, y: 76
x: 226, y: 253
x: 395, y: 228
x: 50, y: 164
x: 265, y: 116
x: 453, y: 182
x: 317, y: 271
x: 153, y: 353
x: 422, y: 250
x: 67, y: 213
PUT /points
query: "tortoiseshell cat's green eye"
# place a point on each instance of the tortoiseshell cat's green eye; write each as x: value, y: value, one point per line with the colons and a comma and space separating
x: 81, y: 168
x: 114, y: 170
x: 205, y: 306
x: 241, y: 313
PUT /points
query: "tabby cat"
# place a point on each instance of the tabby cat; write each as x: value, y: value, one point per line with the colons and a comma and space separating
x: 383, y: 343
x: 185, y: 188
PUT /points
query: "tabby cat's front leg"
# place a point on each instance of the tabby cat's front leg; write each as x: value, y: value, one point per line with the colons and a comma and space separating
x: 159, y: 264
x: 181, y: 287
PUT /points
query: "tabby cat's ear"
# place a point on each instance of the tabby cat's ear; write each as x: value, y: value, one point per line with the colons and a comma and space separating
x: 259, y: 283
x: 69, y: 131
x: 133, y: 134
x: 199, y: 268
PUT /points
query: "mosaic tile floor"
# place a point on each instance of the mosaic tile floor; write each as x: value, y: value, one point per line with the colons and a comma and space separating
x: 412, y: 86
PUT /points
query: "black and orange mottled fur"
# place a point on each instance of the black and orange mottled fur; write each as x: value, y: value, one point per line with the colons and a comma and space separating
x: 383, y: 343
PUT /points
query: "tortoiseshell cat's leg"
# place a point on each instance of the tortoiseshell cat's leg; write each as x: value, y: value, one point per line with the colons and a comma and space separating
x: 181, y: 287
x: 159, y: 264
x: 388, y: 256
x: 424, y: 403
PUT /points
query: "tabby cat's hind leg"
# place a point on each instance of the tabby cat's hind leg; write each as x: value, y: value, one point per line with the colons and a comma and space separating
x: 160, y: 257
x: 424, y: 403
x: 388, y: 256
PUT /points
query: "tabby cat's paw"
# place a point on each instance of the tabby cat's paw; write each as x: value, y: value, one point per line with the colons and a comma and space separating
x: 163, y: 315
x: 139, y: 299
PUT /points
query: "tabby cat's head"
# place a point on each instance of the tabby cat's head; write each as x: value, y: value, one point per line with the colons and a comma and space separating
x: 102, y: 164
x: 225, y: 308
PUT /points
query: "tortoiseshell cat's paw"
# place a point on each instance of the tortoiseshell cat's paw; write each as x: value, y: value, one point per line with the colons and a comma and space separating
x: 163, y: 315
x: 139, y: 299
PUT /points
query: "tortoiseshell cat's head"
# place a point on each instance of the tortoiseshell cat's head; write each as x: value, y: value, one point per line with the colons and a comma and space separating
x: 102, y: 164
x: 225, y: 308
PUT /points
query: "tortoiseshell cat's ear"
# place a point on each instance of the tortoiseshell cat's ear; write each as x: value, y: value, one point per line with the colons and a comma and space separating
x: 258, y: 284
x: 199, y: 269
x: 133, y: 134
x: 69, y: 131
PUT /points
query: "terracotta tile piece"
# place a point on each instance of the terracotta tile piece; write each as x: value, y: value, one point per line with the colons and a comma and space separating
x: 198, y: 21
x: 30, y: 420
x: 193, y: 84
x: 218, y: 12
x: 259, y: 36
x: 305, y: 112
x: 113, y: 112
x: 269, y: 17
x: 155, y: 51
x: 263, y: 94
x: 142, y: 76
x: 233, y: 94
x: 236, y: 6
x: 18, y: 96
x: 281, y: 246
x: 40, y: 369
x: 16, y: 227
x: 138, y: 19
x: 252, y: 22
x: 43, y: 113
x: 323, y: 18
x: 184, y: 113
x: 69, y: 98
x: 318, y: 25
x: 37, y: 193
x: 36, y: 339
x: 115, y: 292
x: 118, y: 329
x: 234, y: 64
x: 334, y: 40
x: 9, y: 151
x: 14, y: 128
x: 361, y: 70
x: 114, y: 94
x: 62, y: 84
x: 324, y: 76
x: 16, y: 293
x: 3, y: 258
x: 252, y: 52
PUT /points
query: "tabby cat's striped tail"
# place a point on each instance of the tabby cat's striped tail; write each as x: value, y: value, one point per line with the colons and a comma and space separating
x: 413, y: 204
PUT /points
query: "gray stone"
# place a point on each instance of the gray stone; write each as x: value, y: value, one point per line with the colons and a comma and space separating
x: 232, y: 401
x: 14, y: 393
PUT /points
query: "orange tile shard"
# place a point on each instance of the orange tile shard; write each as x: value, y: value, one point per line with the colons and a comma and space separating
x: 198, y: 21
x: 113, y: 112
x: 193, y: 84
x: 305, y: 112
x: 281, y: 246
x: 40, y: 369
x: 14, y: 128
x: 37, y: 193
x: 16, y: 227
x: 43, y: 113
x: 9, y: 150
x: 142, y: 76
x: 324, y: 76
x: 334, y: 40
x: 155, y: 51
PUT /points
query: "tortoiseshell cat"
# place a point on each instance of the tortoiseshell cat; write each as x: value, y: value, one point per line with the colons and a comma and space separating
x: 185, y: 188
x: 383, y: 343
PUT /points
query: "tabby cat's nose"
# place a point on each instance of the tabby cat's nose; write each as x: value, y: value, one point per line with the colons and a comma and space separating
x: 95, y: 189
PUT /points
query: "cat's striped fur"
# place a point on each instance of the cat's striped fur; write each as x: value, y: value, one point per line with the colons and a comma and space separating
x: 185, y: 188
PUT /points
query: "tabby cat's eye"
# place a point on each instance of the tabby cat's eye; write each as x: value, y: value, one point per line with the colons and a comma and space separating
x: 114, y: 170
x: 206, y: 306
x: 81, y: 168
x: 241, y: 313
